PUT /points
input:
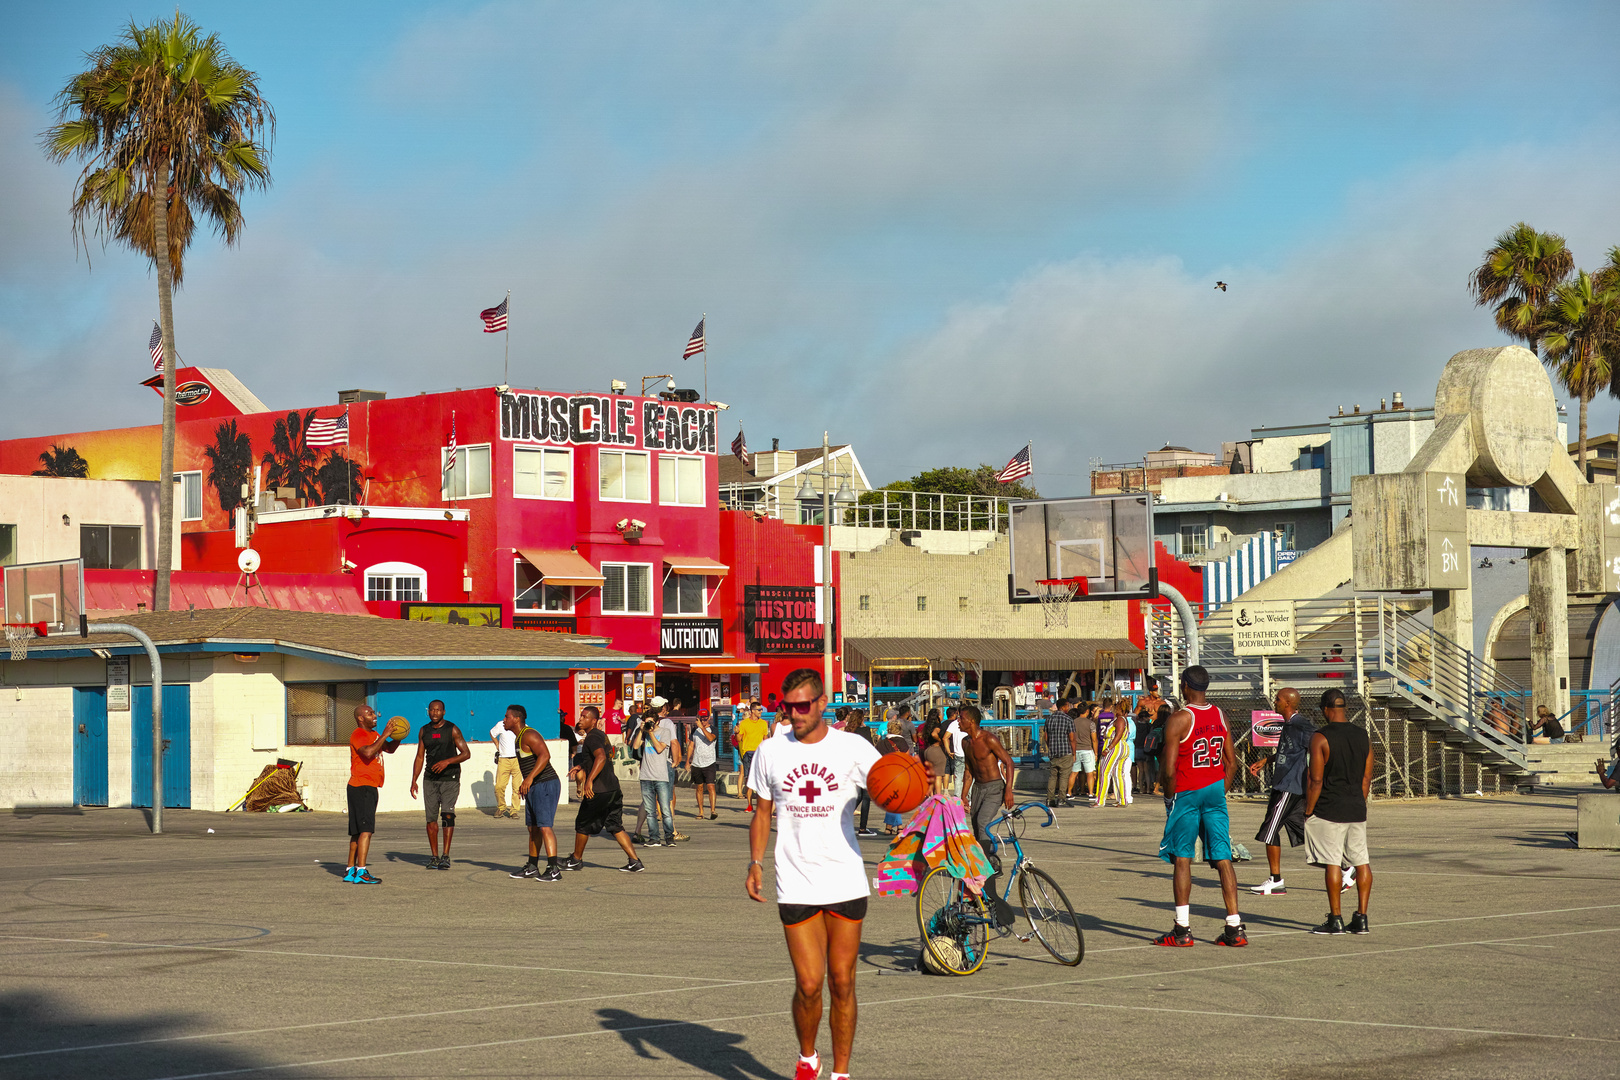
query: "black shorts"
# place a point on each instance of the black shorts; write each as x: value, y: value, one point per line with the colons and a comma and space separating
x: 362, y: 810
x: 601, y: 813
x: 704, y: 774
x: 848, y: 910
x: 1284, y: 809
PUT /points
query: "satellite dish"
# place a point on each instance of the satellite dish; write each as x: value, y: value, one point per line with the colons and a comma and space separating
x: 248, y: 561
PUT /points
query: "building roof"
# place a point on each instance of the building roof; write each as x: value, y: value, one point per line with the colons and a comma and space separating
x: 364, y: 641
x: 115, y: 593
x: 733, y: 472
x: 997, y: 654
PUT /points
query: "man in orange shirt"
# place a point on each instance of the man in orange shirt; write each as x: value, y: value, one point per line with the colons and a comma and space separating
x: 366, y: 747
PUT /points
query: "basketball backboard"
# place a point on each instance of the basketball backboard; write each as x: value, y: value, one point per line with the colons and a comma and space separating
x: 45, y: 592
x: 1106, y: 539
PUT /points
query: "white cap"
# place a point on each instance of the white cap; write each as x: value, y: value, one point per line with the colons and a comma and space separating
x: 658, y: 702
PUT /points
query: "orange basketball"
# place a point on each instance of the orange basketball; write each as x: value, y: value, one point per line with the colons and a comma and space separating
x: 897, y: 782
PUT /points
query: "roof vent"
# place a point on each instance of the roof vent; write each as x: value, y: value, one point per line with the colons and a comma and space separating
x: 347, y: 397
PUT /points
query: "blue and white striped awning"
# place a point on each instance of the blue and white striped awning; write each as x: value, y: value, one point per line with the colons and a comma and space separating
x: 1240, y: 571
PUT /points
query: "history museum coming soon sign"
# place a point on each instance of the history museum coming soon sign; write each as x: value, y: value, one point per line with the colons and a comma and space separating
x: 781, y: 619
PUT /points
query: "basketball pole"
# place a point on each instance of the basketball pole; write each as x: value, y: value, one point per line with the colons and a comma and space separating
x: 1184, y: 611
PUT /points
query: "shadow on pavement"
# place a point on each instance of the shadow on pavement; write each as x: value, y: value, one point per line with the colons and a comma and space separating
x: 34, y: 1022
x: 717, y: 1053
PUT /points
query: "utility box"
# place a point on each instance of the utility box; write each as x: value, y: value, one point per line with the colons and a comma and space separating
x: 1411, y: 531
x: 1597, y: 821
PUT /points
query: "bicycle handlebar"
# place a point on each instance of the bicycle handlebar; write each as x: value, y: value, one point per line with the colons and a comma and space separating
x: 1018, y: 811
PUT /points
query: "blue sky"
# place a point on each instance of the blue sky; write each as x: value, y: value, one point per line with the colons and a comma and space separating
x: 936, y: 230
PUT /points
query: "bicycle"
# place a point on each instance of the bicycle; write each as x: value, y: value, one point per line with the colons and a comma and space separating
x: 956, y: 922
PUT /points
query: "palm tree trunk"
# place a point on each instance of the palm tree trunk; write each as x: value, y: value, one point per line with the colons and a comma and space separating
x: 165, y: 537
x: 1582, y: 452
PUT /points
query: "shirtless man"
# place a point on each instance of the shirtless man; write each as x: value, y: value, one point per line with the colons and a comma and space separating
x: 989, y: 790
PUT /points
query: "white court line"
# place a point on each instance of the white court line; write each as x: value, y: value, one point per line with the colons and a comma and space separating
x: 892, y: 1001
x: 990, y: 996
x: 343, y: 956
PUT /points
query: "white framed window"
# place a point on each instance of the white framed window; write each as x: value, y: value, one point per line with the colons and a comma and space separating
x: 533, y: 594
x: 680, y: 481
x: 1194, y: 539
x: 539, y: 473
x: 625, y: 475
x: 396, y: 581
x: 627, y: 588
x: 191, y: 489
x: 469, y: 477
x: 686, y: 594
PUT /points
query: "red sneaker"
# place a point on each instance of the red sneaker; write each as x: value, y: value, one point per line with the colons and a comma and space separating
x: 1179, y: 937
x: 808, y: 1070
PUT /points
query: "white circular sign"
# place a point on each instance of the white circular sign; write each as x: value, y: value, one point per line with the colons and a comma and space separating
x: 248, y: 561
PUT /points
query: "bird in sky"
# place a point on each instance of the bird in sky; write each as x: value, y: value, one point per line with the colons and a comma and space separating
x: 1221, y: 285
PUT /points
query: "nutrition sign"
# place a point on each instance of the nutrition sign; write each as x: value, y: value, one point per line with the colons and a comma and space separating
x: 1265, y: 629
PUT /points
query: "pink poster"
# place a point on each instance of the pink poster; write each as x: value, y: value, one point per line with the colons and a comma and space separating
x: 1264, y: 728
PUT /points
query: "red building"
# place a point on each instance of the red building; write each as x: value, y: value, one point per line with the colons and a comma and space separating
x: 580, y: 513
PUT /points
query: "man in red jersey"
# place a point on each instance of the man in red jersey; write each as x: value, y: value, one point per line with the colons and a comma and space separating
x: 1197, y: 766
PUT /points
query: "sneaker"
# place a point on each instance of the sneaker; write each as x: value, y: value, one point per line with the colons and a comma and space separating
x: 632, y: 867
x: 553, y: 873
x: 572, y: 863
x: 528, y: 870
x: 432, y: 863
x: 1272, y: 886
x: 808, y: 1070
x: 647, y: 843
x: 1179, y: 937
x: 1358, y: 924
x: 1334, y: 925
x: 866, y: 832
x: 678, y: 836
x: 363, y: 877
x: 1235, y: 936
x: 637, y: 839
x: 348, y: 876
x: 444, y: 862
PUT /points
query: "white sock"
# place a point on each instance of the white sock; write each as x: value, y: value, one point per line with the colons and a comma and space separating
x: 840, y: 1076
x: 1183, y: 914
x: 1234, y: 920
x: 813, y: 1059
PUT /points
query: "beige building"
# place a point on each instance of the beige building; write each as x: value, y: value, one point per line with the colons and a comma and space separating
x: 110, y: 524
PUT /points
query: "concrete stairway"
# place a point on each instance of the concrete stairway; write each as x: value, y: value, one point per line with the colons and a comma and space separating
x: 1564, y: 765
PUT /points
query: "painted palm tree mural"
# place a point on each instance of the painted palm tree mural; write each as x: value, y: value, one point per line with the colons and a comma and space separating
x: 230, y: 464
x: 341, y: 480
x: 62, y: 461
x: 292, y: 462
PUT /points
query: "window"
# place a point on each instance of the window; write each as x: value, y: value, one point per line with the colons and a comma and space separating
x: 1194, y: 539
x: 469, y: 477
x: 1284, y: 531
x: 542, y: 474
x: 190, y: 495
x: 624, y: 476
x: 683, y: 594
x: 533, y: 594
x: 961, y: 603
x: 8, y: 544
x: 110, y: 547
x: 628, y: 587
x: 395, y: 581
x: 866, y: 602
x: 680, y: 481
x: 322, y: 714
x: 922, y: 603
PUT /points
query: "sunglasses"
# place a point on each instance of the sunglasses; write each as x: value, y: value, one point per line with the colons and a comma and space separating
x: 799, y: 706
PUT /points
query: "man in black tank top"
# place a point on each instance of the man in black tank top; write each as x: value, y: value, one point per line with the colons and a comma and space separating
x: 440, y: 745
x: 1336, y: 811
x: 541, y: 789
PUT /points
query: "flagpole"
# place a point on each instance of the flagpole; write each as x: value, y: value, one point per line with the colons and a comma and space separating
x: 506, y: 375
x: 705, y: 321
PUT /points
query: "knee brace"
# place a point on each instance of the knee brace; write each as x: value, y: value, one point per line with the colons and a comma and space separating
x: 447, y: 819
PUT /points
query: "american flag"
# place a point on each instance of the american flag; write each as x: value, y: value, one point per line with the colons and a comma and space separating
x: 739, y: 447
x: 156, y: 345
x: 494, y: 318
x: 1018, y: 467
x: 695, y: 344
x: 450, y: 459
x: 330, y: 432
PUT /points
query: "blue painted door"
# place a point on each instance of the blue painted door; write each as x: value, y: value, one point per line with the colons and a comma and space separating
x: 90, y: 746
x: 176, y: 755
x: 474, y: 707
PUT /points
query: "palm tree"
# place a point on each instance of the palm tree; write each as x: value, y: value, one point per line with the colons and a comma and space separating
x: 62, y: 461
x: 230, y: 460
x: 1519, y: 274
x: 340, y: 478
x: 169, y: 128
x: 1608, y: 278
x: 1577, y: 334
x: 292, y: 462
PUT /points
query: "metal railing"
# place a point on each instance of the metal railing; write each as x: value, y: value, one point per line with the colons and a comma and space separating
x: 879, y: 509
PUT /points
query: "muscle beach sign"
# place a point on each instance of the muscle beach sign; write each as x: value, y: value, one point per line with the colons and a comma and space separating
x: 608, y: 420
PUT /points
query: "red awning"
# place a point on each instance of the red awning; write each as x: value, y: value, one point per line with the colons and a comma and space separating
x: 713, y: 665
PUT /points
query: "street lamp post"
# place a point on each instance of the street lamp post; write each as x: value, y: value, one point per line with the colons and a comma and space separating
x: 844, y: 497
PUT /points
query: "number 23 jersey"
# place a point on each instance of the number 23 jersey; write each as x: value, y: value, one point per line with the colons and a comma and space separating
x: 813, y: 788
x: 1201, y: 761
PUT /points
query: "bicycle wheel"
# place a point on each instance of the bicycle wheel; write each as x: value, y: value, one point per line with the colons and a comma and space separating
x: 1051, y: 916
x: 954, y: 924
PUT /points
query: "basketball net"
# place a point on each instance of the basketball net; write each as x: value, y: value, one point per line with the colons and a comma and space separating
x: 17, y: 635
x: 1055, y: 594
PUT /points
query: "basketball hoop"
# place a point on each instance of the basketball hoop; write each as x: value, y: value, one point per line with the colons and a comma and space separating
x: 1055, y: 594
x: 17, y: 635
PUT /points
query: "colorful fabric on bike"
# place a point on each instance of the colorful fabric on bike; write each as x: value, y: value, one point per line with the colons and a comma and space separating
x: 1111, y: 771
x: 938, y: 835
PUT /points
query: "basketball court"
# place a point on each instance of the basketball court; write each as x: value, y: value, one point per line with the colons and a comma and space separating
x: 240, y: 953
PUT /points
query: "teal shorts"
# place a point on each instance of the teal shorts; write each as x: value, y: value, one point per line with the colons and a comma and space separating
x: 1198, y: 815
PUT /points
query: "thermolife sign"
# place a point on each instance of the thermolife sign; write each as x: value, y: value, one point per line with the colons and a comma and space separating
x: 611, y: 420
x: 781, y: 619
x: 1265, y: 629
